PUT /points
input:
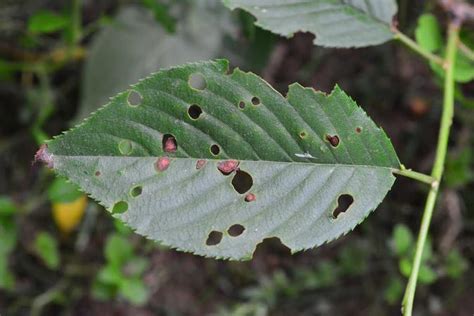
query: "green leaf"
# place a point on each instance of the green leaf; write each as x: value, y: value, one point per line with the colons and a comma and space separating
x: 336, y: 23
x: 46, y: 247
x: 298, y: 157
x: 428, y: 33
x: 8, y: 235
x: 7, y: 279
x: 402, y: 239
x: 161, y: 14
x: 47, y: 22
x: 134, y: 291
x: 393, y: 291
x: 110, y: 274
x: 427, y: 275
x: 62, y: 191
x: 7, y: 206
x: 456, y: 264
x: 118, y: 250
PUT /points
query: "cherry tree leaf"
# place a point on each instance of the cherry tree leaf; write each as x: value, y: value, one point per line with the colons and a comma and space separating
x: 336, y: 23
x: 212, y: 162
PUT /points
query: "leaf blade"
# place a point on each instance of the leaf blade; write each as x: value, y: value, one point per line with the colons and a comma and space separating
x: 348, y: 23
x: 296, y: 179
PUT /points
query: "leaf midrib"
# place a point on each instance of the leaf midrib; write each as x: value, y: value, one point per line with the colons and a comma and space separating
x: 225, y: 159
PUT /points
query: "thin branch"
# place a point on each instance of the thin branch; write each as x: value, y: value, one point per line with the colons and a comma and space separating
x: 438, y: 168
x: 418, y: 49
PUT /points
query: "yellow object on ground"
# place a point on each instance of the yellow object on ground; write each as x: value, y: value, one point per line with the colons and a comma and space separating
x: 68, y: 215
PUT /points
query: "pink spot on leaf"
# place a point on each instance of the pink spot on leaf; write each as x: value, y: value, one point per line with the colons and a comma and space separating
x: 250, y: 197
x: 200, y: 163
x: 228, y: 166
x: 162, y: 163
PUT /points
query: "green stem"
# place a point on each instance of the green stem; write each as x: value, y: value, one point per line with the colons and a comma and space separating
x: 416, y: 175
x: 437, y: 173
x: 466, y: 51
x: 418, y: 49
x: 76, y: 24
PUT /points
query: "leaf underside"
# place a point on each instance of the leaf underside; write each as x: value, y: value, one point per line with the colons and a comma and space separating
x: 336, y: 23
x: 292, y: 160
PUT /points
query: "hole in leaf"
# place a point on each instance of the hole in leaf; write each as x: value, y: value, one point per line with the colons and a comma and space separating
x: 358, y: 130
x: 200, y: 163
x: 228, y: 166
x: 194, y: 111
x: 343, y: 203
x: 120, y: 207
x: 333, y: 140
x: 250, y: 197
x: 97, y: 173
x: 134, y: 98
x: 303, y: 134
x: 255, y: 101
x: 162, y: 164
x: 169, y: 143
x: 136, y: 191
x: 197, y: 81
x: 271, y: 247
x: 125, y: 147
x: 214, y: 238
x: 242, y: 181
x: 242, y: 105
x: 215, y: 150
x: 236, y: 230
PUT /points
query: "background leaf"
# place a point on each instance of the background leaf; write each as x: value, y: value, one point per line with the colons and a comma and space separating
x: 298, y: 159
x: 348, y: 23
x: 46, y: 247
x: 47, y: 22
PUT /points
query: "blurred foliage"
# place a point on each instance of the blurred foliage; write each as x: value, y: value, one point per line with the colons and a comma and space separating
x: 122, y: 273
x: 46, y: 247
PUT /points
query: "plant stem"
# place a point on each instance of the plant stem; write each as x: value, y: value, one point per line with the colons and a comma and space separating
x: 466, y: 51
x: 437, y: 173
x: 418, y: 49
x: 415, y: 175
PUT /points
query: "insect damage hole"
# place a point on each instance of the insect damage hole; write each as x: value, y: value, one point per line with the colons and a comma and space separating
x: 136, y: 191
x: 215, y: 149
x: 194, y: 111
x: 343, y: 203
x: 236, y: 230
x: 97, y: 173
x: 134, y: 98
x: 333, y: 140
x: 197, y: 81
x: 214, y: 238
x: 120, y: 207
x: 169, y: 143
x: 358, y: 130
x: 242, y: 181
x: 242, y: 105
x: 255, y: 101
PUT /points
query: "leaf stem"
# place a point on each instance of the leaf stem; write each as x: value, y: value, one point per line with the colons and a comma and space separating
x: 416, y: 176
x: 466, y: 51
x: 437, y: 172
x: 418, y: 49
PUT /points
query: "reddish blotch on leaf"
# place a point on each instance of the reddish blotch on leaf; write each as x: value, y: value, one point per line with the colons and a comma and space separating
x: 228, y: 166
x: 162, y: 163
